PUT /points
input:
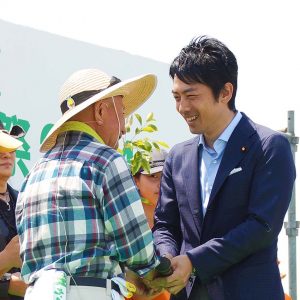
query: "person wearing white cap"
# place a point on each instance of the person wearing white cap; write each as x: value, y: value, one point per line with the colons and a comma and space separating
x: 11, y: 286
x: 78, y: 210
x: 148, y: 185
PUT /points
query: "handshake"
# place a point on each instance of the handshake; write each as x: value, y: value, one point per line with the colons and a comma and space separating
x: 172, y: 274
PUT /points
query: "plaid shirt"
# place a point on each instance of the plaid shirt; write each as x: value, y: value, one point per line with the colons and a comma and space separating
x: 79, y: 211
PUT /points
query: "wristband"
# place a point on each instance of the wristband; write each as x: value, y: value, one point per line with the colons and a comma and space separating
x: 4, y: 284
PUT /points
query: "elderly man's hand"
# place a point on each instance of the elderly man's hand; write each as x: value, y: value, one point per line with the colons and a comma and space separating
x: 143, y: 290
x: 182, y: 269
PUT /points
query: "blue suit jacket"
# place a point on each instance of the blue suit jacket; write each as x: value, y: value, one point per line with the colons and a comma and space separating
x: 234, y: 247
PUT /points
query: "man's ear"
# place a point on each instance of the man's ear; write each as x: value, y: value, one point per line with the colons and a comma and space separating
x: 226, y: 93
x: 100, y: 109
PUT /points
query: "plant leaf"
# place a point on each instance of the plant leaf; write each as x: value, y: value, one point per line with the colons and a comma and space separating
x: 130, y: 120
x: 148, y: 146
x: 136, y: 162
x: 139, y: 118
x: 137, y: 130
x: 145, y: 165
x: 148, y: 129
x: 153, y: 126
x: 146, y: 201
x: 137, y: 143
x: 141, y: 146
x: 128, y: 145
x: 150, y: 117
x: 163, y: 144
x: 135, y: 167
x: 155, y: 145
x: 138, y: 155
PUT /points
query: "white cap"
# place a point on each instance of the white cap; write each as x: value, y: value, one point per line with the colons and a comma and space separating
x: 157, y: 161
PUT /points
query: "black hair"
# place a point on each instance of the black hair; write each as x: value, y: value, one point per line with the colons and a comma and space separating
x: 208, y: 61
x: 137, y: 175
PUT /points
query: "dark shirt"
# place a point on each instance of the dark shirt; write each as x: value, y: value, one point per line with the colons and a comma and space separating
x: 7, y: 222
x: 8, y: 229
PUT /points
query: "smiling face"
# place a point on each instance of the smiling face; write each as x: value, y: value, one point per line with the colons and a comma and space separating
x: 203, y: 113
x: 7, y: 160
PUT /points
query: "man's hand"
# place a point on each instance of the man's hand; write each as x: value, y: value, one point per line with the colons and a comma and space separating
x: 182, y: 269
x: 10, y: 256
x: 13, y: 252
x: 143, y: 291
x: 17, y: 286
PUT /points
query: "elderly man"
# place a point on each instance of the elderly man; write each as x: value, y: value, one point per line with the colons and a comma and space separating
x: 79, y: 213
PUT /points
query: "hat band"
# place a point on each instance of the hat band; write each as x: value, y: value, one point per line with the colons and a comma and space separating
x: 157, y: 163
x: 79, y: 98
x: 16, y: 131
x: 152, y: 165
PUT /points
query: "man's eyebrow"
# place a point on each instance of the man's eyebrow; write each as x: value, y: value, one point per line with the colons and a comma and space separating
x: 187, y: 90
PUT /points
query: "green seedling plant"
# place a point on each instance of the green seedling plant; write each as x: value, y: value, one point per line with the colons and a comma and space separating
x: 138, y: 145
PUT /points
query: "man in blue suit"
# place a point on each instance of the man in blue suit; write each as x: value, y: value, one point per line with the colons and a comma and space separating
x: 224, y: 193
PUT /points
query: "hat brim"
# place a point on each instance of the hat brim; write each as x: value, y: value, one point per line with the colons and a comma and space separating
x: 153, y: 170
x: 8, y: 143
x: 135, y: 92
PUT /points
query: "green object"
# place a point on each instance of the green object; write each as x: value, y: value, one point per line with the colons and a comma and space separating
x: 45, y: 131
x: 137, y: 149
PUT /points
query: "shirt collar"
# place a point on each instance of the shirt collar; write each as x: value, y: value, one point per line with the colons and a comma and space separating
x: 82, y: 127
x: 225, y: 135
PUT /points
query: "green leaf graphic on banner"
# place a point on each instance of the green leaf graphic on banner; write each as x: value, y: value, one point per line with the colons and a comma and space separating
x: 45, y: 131
x: 23, y: 153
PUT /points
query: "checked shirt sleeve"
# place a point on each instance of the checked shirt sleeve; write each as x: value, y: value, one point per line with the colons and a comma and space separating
x: 125, y: 219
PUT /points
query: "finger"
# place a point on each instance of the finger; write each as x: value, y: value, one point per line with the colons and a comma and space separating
x: 169, y: 256
x: 175, y: 289
x: 168, y: 282
x: 158, y: 282
x: 153, y: 292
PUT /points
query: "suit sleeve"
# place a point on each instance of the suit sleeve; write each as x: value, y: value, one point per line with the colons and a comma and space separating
x: 269, y: 198
x: 166, y: 230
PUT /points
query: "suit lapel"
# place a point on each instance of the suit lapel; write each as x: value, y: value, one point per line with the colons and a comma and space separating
x: 237, y: 147
x: 192, y: 181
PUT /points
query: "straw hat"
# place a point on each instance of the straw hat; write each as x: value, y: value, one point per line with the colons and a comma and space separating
x: 8, y: 140
x: 86, y: 87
